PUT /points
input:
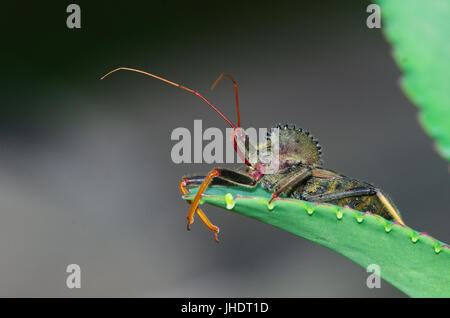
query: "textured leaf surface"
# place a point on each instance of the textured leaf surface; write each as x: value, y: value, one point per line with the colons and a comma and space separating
x: 414, y: 262
x: 420, y: 34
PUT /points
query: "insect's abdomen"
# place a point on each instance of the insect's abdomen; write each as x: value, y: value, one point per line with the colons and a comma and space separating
x: 368, y: 203
x: 323, y: 186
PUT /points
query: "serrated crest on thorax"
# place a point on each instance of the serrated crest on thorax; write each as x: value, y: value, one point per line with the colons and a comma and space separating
x: 296, y: 146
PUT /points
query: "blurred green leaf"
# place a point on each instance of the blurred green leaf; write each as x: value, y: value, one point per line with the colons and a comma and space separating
x: 415, y: 263
x: 420, y: 35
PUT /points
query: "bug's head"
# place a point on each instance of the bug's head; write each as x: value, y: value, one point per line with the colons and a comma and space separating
x: 242, y: 145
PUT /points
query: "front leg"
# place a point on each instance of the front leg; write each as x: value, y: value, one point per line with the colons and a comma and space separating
x: 219, y: 176
x: 184, y: 183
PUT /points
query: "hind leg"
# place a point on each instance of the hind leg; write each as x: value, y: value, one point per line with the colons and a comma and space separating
x: 363, y: 191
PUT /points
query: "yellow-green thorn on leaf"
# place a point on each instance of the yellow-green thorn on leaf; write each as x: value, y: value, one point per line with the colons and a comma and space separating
x: 271, y: 205
x: 359, y: 218
x: 339, y: 215
x: 419, y: 270
x: 229, y: 201
x: 306, y: 207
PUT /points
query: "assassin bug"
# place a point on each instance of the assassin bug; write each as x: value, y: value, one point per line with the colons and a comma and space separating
x: 300, y: 173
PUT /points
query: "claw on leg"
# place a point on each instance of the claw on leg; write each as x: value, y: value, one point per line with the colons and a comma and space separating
x: 188, y: 226
x: 190, y: 221
x: 208, y: 223
x: 273, y: 197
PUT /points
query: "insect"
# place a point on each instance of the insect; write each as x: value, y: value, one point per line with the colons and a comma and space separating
x: 300, y: 173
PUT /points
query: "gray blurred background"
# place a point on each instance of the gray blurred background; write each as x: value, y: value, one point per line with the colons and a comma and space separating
x: 86, y: 175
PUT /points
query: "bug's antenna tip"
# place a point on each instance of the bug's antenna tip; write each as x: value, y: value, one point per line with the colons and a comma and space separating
x: 118, y: 69
x: 213, y: 85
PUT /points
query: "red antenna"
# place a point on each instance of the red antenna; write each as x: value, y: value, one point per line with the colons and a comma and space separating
x: 235, y: 91
x: 180, y: 86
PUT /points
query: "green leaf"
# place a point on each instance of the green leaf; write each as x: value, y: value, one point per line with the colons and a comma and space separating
x: 414, y: 262
x: 420, y: 34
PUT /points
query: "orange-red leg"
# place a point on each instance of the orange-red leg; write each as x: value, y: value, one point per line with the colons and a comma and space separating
x: 183, y: 184
x: 201, y: 190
